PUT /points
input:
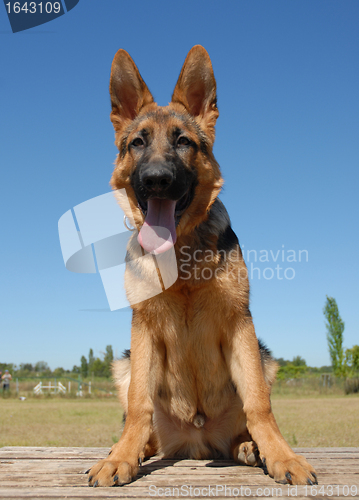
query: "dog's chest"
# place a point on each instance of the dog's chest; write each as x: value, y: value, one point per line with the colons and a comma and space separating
x: 195, y: 376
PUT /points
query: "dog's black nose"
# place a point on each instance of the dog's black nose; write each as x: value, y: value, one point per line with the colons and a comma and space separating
x: 156, y: 179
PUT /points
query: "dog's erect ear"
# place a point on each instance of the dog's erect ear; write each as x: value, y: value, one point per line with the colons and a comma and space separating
x: 196, y: 89
x: 128, y: 91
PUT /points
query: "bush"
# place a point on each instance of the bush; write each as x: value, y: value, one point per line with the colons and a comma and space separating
x: 290, y: 371
x: 351, y: 385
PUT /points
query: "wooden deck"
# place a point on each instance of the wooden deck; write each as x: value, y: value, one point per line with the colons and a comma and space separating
x: 48, y: 473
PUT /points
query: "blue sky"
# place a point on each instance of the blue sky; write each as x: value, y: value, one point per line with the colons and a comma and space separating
x: 287, y: 142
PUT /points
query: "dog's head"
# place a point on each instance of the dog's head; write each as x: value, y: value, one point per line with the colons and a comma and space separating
x: 165, y: 159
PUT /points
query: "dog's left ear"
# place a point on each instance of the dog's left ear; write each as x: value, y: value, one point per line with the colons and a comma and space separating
x: 196, y: 89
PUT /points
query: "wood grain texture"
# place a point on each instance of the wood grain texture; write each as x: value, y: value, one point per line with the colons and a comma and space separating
x: 49, y: 473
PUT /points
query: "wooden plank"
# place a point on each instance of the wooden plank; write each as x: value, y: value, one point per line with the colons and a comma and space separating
x: 76, y: 453
x: 53, y: 453
x: 51, y: 473
x: 23, y: 479
x: 78, y: 467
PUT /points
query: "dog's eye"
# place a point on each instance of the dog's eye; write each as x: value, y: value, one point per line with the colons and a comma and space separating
x: 183, y: 141
x: 138, y: 142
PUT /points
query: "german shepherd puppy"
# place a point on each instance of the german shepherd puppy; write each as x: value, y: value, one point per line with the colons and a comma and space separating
x: 197, y: 382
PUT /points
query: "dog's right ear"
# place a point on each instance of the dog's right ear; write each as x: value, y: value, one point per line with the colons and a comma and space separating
x: 128, y: 91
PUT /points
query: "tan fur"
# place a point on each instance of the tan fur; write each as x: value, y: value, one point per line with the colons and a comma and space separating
x: 121, y: 371
x: 197, y: 384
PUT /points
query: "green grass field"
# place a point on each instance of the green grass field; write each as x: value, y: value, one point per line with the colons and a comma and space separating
x: 60, y: 422
x: 320, y: 421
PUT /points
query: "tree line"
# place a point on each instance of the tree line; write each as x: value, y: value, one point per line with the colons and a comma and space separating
x: 297, y: 367
x: 344, y: 361
x: 96, y: 366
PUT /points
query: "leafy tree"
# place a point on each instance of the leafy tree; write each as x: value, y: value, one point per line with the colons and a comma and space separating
x: 335, y: 328
x: 91, y: 361
x: 7, y: 366
x: 99, y: 368
x: 291, y: 371
x: 58, y: 372
x: 108, y: 359
x: 41, y: 366
x: 24, y: 370
x: 108, y: 354
x: 299, y: 361
x: 84, y: 367
x: 282, y: 361
x: 352, y: 359
x: 27, y: 367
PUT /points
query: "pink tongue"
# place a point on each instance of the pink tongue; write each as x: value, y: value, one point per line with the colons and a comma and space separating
x: 158, y: 233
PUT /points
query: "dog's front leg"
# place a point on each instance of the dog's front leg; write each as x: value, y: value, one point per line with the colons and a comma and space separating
x: 247, y: 374
x: 121, y: 466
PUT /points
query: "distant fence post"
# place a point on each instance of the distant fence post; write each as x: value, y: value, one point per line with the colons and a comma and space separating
x: 326, y: 379
x: 79, y: 391
x: 90, y: 387
x: 17, y: 386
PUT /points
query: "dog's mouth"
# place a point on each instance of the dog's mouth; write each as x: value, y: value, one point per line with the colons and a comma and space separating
x: 158, y: 232
x: 180, y: 205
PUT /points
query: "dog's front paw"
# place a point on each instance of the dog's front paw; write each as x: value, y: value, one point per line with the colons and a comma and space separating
x: 290, y: 470
x: 109, y: 472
